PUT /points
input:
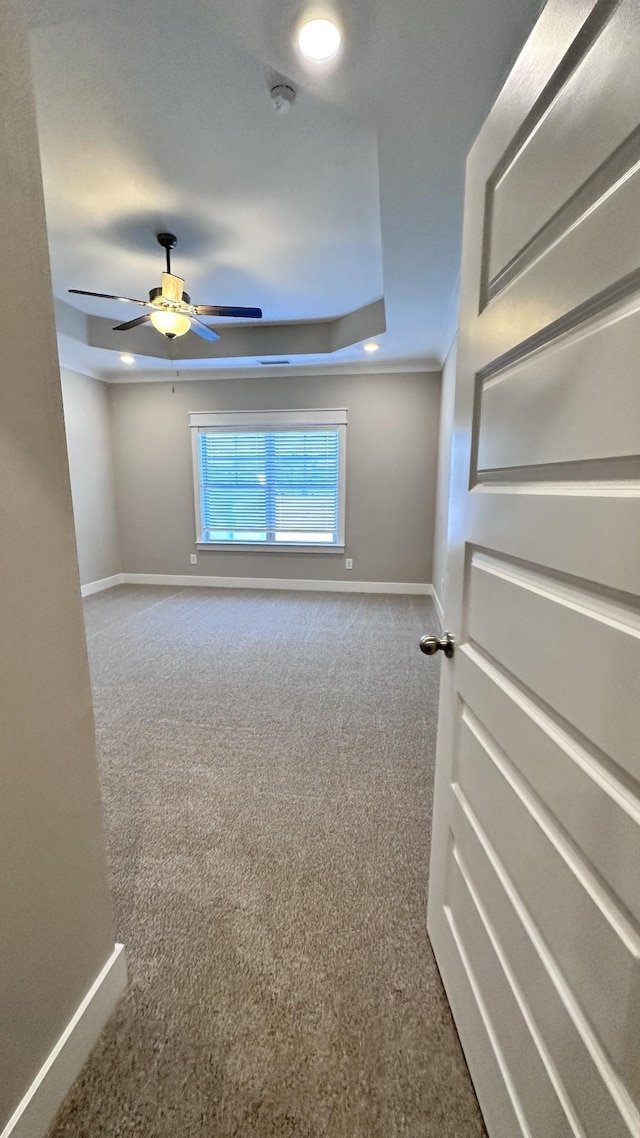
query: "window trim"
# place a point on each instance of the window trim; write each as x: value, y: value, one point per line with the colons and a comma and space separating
x: 267, y: 547
x: 225, y: 421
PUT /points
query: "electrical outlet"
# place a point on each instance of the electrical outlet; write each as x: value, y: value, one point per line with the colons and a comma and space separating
x: 348, y: 564
x: 194, y: 558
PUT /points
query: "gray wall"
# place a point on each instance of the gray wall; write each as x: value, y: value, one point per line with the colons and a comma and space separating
x: 444, y: 462
x: 392, y: 443
x: 54, y: 903
x: 87, y: 420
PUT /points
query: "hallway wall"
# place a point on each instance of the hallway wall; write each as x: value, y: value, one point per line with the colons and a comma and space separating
x: 55, y: 910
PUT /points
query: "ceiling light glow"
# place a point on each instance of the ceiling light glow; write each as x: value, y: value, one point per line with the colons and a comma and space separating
x: 127, y: 358
x: 170, y: 323
x: 371, y: 346
x: 319, y: 40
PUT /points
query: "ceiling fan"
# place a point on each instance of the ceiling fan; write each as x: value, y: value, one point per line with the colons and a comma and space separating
x: 172, y: 312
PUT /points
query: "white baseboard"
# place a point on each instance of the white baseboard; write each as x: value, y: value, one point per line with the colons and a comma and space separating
x: 298, y: 584
x: 35, y: 1114
x: 99, y: 587
x: 438, y: 607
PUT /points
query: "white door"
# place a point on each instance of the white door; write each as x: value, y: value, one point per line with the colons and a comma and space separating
x: 534, y: 904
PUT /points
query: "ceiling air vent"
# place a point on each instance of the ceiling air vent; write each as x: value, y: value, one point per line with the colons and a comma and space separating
x: 273, y: 363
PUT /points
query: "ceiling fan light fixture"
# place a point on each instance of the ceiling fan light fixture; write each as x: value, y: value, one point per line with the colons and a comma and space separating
x: 319, y: 40
x: 173, y: 313
x: 170, y: 323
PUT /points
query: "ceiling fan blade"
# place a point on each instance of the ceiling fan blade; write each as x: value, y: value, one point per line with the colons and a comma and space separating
x: 224, y: 310
x: 132, y: 323
x: 172, y: 288
x: 202, y: 330
x: 107, y: 296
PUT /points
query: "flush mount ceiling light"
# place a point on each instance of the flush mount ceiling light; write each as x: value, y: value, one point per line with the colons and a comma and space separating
x: 319, y: 40
x: 127, y: 358
x: 371, y: 346
x: 172, y: 312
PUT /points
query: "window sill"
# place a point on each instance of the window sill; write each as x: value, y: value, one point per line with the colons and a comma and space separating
x: 259, y: 547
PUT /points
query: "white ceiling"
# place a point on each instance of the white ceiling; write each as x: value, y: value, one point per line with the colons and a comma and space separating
x: 156, y: 115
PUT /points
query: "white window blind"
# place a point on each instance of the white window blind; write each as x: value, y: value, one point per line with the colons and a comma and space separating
x: 278, y: 483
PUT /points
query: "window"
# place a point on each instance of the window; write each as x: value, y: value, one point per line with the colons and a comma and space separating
x: 273, y: 479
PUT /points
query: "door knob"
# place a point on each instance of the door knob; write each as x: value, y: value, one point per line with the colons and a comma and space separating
x: 430, y: 645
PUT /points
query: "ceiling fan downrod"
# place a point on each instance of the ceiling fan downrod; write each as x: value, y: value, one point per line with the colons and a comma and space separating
x: 168, y: 242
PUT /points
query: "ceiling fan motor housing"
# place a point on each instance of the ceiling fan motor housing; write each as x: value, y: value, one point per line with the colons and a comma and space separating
x: 155, y: 295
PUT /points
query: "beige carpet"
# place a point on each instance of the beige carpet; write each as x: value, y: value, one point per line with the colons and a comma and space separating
x: 267, y: 763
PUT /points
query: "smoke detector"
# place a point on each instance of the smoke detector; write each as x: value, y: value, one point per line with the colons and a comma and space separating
x: 283, y: 97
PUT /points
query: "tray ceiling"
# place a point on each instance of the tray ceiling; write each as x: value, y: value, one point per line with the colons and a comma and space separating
x: 156, y: 116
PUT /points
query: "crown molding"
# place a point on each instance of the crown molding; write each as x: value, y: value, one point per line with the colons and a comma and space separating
x: 300, y: 371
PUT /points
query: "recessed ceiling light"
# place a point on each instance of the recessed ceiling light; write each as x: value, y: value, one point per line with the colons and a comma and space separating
x: 127, y: 358
x: 371, y: 346
x: 319, y: 40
